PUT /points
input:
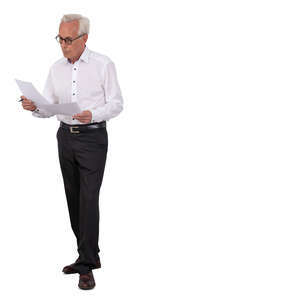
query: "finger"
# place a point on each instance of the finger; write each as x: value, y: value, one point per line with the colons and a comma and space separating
x: 28, y: 106
x: 79, y: 116
x: 83, y: 113
x: 82, y: 119
x: 27, y: 101
x: 79, y: 119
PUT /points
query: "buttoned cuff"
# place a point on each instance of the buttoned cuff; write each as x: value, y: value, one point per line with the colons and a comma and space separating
x: 95, y: 116
x: 40, y: 113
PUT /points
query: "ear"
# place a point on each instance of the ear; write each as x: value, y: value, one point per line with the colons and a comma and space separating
x: 85, y: 37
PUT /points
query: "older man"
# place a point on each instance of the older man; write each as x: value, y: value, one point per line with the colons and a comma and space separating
x: 88, y: 78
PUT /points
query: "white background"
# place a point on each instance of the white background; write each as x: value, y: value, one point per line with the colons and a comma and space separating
x: 200, y: 196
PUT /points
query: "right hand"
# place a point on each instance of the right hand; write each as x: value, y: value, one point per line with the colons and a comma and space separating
x: 28, y: 104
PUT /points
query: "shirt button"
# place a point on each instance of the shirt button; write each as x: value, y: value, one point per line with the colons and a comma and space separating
x: 73, y: 94
x: 73, y: 81
x: 75, y: 69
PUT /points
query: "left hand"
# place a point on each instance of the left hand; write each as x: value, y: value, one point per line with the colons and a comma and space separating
x: 83, y: 117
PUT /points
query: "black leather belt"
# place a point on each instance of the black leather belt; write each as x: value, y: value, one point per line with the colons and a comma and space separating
x: 78, y: 128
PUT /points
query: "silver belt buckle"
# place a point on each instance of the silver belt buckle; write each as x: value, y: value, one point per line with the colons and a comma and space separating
x: 74, y: 131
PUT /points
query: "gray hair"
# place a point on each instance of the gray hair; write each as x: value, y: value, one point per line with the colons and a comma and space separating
x: 84, y: 23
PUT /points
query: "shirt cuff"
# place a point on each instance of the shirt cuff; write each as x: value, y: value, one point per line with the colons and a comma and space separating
x: 95, y: 118
x: 40, y: 113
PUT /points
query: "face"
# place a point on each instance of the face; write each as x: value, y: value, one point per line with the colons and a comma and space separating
x: 70, y: 29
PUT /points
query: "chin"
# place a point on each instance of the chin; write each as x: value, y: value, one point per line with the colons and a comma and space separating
x: 66, y: 54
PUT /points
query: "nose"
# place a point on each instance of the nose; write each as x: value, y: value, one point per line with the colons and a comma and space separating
x: 64, y: 46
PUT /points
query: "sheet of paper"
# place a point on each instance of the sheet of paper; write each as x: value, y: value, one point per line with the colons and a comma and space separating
x: 68, y: 109
x: 30, y: 92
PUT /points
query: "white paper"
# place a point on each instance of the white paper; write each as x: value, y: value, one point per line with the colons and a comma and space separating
x: 30, y: 92
x: 62, y: 109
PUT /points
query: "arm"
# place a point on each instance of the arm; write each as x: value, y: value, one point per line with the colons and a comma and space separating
x: 113, y: 96
x: 48, y: 93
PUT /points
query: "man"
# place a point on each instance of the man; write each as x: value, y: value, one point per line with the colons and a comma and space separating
x: 90, y: 79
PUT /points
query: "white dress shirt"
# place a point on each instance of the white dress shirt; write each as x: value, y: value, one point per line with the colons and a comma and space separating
x: 91, y: 82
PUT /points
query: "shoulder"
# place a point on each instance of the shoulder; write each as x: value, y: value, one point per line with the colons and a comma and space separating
x: 58, y: 63
x: 99, y: 58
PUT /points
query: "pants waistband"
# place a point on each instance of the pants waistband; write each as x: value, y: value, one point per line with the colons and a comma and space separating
x: 77, y: 128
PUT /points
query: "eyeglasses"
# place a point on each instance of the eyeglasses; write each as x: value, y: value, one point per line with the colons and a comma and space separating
x: 67, y: 40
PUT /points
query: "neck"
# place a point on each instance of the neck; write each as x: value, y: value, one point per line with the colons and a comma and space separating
x: 73, y: 59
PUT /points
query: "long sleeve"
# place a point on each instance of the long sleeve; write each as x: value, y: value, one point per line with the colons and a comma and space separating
x: 48, y: 93
x: 113, y: 96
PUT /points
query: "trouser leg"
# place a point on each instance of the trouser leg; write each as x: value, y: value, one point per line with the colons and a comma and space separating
x: 71, y: 179
x: 90, y: 154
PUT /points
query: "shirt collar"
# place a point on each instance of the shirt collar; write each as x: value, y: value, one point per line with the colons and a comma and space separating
x: 84, y: 55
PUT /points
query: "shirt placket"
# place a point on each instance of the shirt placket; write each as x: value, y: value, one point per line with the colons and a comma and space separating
x: 75, y: 69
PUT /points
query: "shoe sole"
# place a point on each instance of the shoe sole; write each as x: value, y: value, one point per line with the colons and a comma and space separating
x: 87, y: 288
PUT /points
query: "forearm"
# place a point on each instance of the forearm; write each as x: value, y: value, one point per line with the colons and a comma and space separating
x: 110, y: 110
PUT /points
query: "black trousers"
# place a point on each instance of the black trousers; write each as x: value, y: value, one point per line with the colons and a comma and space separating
x: 82, y: 158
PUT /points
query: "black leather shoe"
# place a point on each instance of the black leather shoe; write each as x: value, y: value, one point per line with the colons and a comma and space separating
x: 86, y: 281
x: 69, y: 269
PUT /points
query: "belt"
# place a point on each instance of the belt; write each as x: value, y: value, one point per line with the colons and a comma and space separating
x: 82, y: 127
